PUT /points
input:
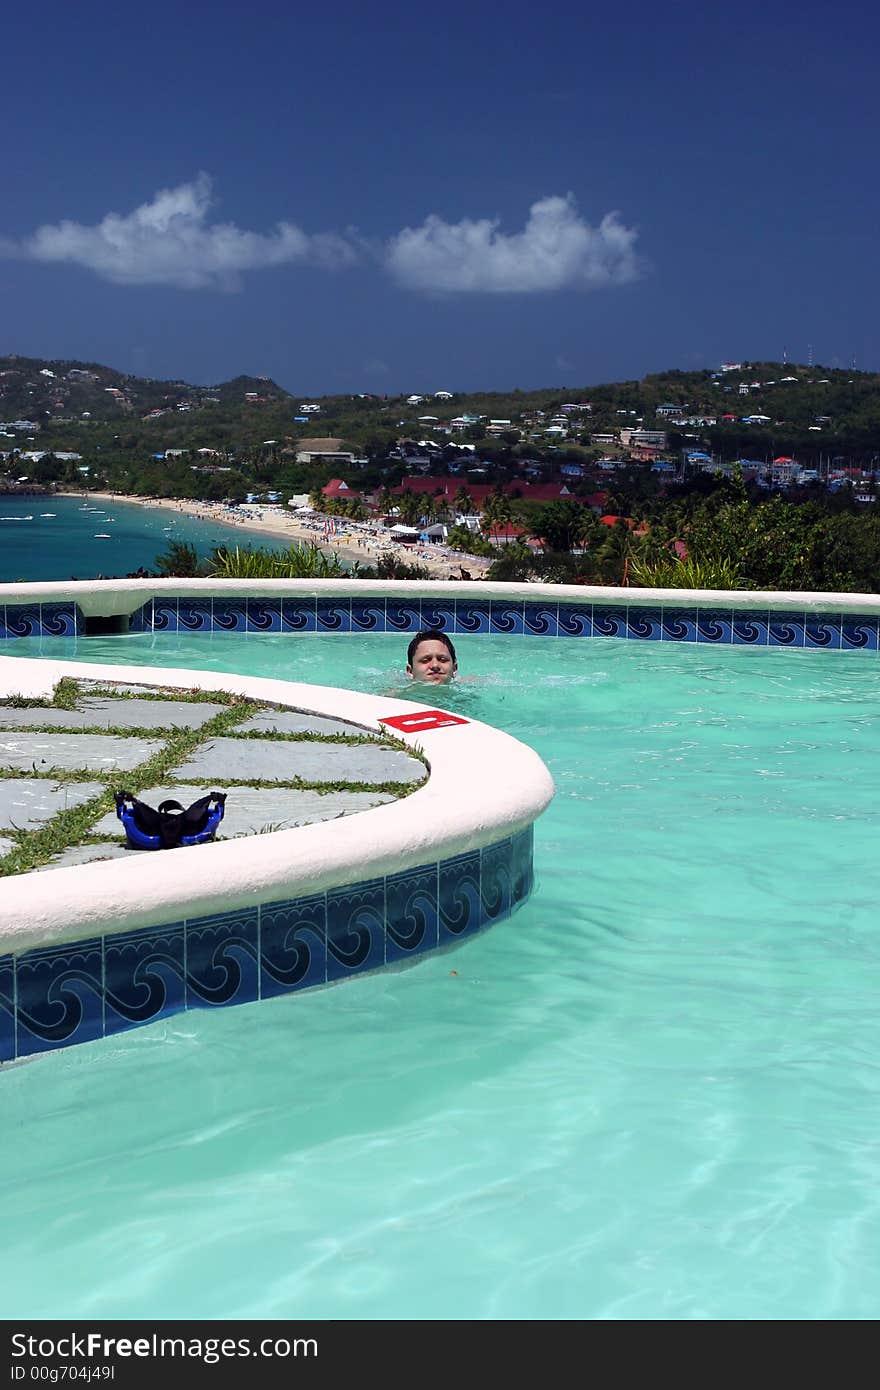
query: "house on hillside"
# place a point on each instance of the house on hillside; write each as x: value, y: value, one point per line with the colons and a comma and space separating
x: 328, y: 450
x: 336, y: 488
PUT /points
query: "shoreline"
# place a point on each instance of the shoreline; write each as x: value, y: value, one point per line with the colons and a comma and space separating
x: 354, y: 542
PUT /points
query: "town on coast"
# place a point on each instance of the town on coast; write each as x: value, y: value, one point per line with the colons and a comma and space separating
x: 351, y: 541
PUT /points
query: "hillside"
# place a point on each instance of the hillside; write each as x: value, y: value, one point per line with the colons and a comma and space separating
x: 750, y: 409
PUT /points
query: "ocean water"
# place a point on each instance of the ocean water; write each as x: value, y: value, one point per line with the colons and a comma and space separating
x: 651, y: 1094
x: 86, y: 538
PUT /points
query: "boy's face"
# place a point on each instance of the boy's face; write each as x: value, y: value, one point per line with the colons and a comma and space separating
x: 432, y: 663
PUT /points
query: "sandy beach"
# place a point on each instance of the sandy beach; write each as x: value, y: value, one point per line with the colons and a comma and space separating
x: 352, y: 541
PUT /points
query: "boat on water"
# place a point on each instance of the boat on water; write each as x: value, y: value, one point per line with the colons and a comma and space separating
x: 16, y: 518
x: 48, y: 513
x: 102, y: 536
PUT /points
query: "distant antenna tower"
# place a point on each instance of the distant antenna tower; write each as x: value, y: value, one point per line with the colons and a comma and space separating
x: 785, y: 357
x: 854, y: 362
x: 809, y: 354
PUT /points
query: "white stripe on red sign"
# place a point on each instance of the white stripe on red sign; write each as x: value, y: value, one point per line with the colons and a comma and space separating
x: 421, y: 720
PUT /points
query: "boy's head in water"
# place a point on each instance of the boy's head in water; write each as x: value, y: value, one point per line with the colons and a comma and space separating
x: 430, y: 657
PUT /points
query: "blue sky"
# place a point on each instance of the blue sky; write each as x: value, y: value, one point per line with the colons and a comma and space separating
x: 470, y: 196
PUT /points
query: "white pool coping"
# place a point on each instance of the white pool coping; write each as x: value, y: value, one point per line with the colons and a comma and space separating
x: 100, y: 598
x: 483, y: 785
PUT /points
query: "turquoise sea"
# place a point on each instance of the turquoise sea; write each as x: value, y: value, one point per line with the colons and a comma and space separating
x: 79, y: 537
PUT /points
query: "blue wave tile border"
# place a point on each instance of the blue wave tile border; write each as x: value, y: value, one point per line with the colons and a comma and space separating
x: 786, y: 629
x: 715, y: 625
x: 7, y: 1008
x: 859, y: 634
x: 60, y: 620
x: 81, y: 991
x: 822, y: 632
x: 574, y: 620
x: 438, y: 614
x: 722, y: 625
x: 59, y: 996
x: 750, y: 629
x: 644, y: 624
x: 679, y: 624
x: 264, y: 615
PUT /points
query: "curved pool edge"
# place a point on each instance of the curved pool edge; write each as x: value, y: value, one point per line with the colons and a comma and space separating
x: 90, y: 950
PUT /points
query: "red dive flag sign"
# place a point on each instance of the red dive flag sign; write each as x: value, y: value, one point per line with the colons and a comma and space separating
x: 421, y: 720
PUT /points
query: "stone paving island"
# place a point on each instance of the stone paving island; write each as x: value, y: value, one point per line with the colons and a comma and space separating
x: 62, y: 760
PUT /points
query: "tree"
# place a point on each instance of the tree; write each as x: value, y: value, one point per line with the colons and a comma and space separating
x: 463, y: 502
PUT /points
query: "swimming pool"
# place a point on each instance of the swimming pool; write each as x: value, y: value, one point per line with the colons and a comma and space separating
x: 649, y: 1095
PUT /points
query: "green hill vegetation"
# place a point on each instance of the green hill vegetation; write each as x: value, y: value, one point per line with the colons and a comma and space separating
x: 693, y: 529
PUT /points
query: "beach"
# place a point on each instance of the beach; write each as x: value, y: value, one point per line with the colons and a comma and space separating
x: 354, y: 542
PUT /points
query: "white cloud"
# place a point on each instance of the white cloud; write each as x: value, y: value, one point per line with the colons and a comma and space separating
x: 556, y: 249
x: 169, y: 241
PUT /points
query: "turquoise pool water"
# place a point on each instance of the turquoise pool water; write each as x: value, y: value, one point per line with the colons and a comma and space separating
x: 652, y: 1094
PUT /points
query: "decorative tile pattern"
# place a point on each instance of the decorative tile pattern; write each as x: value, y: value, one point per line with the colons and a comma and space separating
x: 194, y: 615
x: 459, y: 896
x: 412, y: 923
x: 822, y: 632
x: 471, y: 616
x: 644, y: 624
x: 714, y: 624
x: 145, y: 976
x: 750, y: 629
x: 679, y: 625
x: 495, y: 882
x: 438, y: 614
x: 522, y: 865
x: 58, y: 619
x: 23, y: 620
x: 541, y: 619
x: 222, y: 956
x: 368, y: 615
x: 355, y: 928
x: 293, y: 945
x: 7, y: 1009
x: 507, y: 617
x: 575, y: 620
x: 786, y: 629
x: 165, y: 615
x: 403, y: 616
x: 59, y: 996
x: 859, y: 634
x: 607, y: 621
x: 264, y: 615
x: 298, y: 615
x: 333, y: 615
x: 229, y: 615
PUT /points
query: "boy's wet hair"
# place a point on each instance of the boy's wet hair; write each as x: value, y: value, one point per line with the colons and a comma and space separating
x: 429, y: 635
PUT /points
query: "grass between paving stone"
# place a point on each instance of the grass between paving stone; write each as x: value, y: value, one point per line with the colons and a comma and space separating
x: 171, y: 693
x: 149, y: 731
x: 70, y: 827
x: 67, y: 692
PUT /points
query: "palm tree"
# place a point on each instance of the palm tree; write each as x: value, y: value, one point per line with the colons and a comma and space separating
x: 410, y: 507
x: 463, y: 502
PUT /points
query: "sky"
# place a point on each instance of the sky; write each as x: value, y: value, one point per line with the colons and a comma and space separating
x: 468, y: 197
